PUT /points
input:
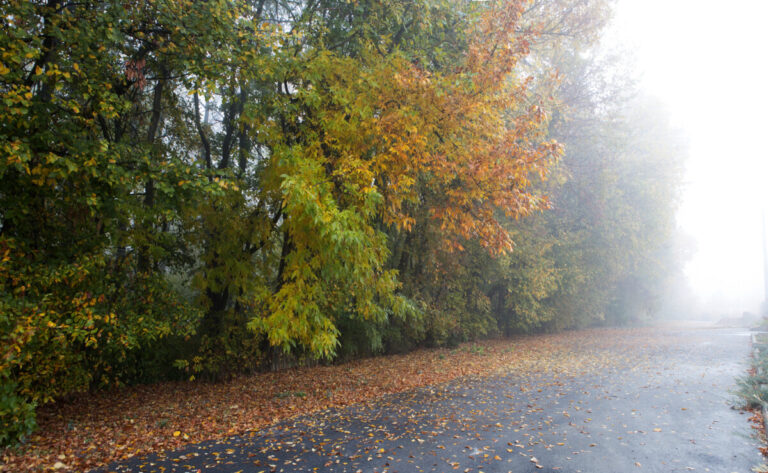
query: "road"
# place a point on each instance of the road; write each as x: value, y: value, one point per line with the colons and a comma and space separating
x: 658, y: 403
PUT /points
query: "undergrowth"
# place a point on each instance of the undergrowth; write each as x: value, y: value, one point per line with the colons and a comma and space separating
x: 753, y: 387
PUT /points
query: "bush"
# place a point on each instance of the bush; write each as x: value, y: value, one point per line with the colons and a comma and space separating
x: 17, y: 414
x: 67, y: 327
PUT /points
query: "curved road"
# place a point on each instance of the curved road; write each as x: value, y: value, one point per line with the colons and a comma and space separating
x: 648, y: 404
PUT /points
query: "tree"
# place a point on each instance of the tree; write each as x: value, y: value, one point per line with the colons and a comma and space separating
x: 89, y: 178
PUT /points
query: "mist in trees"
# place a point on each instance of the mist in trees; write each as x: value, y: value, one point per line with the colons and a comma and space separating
x: 200, y: 189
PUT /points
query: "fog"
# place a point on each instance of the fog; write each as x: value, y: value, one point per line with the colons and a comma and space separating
x: 705, y: 60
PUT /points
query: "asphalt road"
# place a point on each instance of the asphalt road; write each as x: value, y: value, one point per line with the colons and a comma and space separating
x: 646, y: 406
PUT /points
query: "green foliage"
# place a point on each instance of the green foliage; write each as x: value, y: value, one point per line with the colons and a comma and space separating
x: 87, y: 186
x: 69, y: 327
x: 66, y: 328
x: 17, y: 414
x: 332, y: 262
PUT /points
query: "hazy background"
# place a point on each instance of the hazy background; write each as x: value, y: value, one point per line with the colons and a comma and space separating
x: 707, y: 61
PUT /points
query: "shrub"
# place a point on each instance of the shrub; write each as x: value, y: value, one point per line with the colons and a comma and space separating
x: 17, y: 414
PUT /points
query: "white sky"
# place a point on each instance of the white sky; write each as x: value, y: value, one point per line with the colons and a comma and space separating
x: 708, y: 60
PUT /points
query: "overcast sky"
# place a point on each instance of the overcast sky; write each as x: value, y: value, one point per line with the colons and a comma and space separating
x: 707, y: 60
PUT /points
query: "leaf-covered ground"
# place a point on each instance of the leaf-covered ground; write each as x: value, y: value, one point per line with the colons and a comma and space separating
x: 97, y: 429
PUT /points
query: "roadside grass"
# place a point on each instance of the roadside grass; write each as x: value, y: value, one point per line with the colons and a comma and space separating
x: 753, y: 387
x: 752, y: 393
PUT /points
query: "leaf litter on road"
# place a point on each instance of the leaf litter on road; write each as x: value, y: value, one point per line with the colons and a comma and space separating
x: 95, y: 429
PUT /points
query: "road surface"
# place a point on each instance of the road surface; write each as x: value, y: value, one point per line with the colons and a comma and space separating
x: 647, y: 404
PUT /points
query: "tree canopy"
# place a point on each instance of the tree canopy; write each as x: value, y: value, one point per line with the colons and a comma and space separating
x: 196, y: 189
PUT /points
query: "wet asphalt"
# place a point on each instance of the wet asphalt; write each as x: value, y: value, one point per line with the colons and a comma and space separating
x: 640, y: 406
